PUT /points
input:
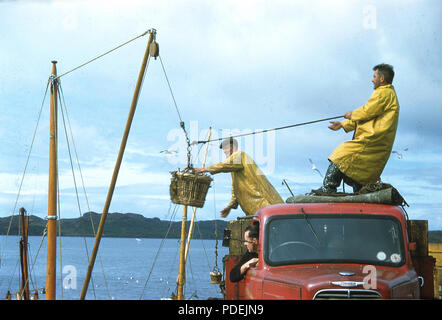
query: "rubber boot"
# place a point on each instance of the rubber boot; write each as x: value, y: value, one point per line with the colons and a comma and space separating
x: 332, y: 180
x: 356, y: 186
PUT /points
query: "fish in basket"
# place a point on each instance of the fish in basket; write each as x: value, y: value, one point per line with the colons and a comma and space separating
x: 189, y: 188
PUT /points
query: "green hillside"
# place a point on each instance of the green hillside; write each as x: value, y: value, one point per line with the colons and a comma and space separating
x: 131, y: 225
x: 127, y: 225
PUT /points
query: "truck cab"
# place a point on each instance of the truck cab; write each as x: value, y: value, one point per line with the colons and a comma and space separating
x: 326, y: 251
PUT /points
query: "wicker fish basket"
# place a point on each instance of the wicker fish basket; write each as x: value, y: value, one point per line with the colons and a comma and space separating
x: 189, y: 188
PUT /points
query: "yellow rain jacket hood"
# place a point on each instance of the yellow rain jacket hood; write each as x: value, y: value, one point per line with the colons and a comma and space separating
x: 250, y: 187
x: 363, y: 159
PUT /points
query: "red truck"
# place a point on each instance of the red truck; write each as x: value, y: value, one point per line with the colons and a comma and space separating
x: 330, y: 251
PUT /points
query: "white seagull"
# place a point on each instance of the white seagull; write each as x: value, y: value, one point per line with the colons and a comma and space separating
x: 168, y: 151
x: 314, y: 168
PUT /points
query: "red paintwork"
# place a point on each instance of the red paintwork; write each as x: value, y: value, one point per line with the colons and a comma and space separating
x: 302, y: 281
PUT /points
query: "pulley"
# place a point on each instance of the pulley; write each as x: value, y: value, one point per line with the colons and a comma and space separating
x: 154, y: 49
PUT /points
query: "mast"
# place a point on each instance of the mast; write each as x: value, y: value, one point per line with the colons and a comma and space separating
x: 24, y: 285
x: 52, y: 191
x: 182, y: 265
x: 182, y: 262
x: 152, y: 34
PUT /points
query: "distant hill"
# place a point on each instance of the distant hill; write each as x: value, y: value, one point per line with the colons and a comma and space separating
x: 435, y: 236
x: 127, y: 225
x: 132, y: 225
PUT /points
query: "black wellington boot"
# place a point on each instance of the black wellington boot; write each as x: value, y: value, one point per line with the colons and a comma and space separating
x: 332, y: 180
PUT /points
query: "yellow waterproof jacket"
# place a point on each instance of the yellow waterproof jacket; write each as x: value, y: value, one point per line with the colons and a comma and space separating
x: 363, y: 159
x: 250, y: 187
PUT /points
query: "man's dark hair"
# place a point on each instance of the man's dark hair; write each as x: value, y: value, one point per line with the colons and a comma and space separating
x: 253, y: 231
x: 386, y: 70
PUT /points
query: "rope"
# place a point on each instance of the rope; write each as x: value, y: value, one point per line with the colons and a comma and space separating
x: 178, y: 112
x: 58, y: 208
x: 62, y: 101
x: 59, y: 231
x: 170, y: 88
x: 202, y: 243
x: 159, y: 250
x: 85, y: 195
x: 268, y: 130
x: 63, y: 104
x: 101, y: 55
x: 215, y: 268
x: 25, y: 168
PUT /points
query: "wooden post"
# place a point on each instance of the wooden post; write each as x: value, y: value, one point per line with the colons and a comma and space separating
x: 182, y: 265
x: 117, y: 166
x: 24, y: 286
x: 52, y: 192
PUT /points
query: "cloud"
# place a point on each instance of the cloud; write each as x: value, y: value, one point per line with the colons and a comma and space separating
x: 232, y: 66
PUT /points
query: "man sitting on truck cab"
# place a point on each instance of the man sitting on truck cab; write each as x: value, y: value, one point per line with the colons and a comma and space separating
x: 250, y: 258
x: 250, y: 187
x: 361, y: 161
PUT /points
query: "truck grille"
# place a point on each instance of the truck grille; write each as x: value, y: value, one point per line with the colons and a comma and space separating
x: 327, y: 294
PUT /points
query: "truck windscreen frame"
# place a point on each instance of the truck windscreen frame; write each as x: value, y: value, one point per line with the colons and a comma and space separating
x: 333, y: 238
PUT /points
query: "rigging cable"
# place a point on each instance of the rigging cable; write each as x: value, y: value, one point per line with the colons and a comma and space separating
x: 170, y: 88
x: 215, y: 268
x: 25, y: 168
x: 159, y: 249
x: 63, y: 112
x: 268, y: 130
x: 58, y: 190
x: 101, y: 55
x: 178, y: 112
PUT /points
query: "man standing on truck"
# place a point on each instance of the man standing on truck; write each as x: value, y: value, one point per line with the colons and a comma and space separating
x: 250, y: 258
x: 361, y: 161
x: 250, y: 187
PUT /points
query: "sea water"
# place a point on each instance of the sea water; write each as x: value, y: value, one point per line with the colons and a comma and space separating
x: 125, y: 268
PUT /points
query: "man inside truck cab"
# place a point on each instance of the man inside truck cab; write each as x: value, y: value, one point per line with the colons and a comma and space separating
x: 250, y: 258
x: 250, y: 187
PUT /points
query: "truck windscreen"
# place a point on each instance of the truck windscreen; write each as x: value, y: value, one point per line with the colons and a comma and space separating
x: 343, y: 238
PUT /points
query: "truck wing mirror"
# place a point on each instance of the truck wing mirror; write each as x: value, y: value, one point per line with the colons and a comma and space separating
x: 226, y: 237
x: 412, y: 246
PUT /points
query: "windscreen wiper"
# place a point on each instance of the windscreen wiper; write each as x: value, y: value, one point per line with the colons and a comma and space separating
x: 310, y: 225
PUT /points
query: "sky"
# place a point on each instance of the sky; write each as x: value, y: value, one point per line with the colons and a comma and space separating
x: 234, y: 67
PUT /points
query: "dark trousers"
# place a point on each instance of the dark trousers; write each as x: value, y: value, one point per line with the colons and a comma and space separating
x: 333, y: 179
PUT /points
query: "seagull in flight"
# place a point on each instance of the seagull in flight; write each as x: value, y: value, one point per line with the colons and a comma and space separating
x: 314, y: 168
x: 168, y: 151
x: 399, y: 155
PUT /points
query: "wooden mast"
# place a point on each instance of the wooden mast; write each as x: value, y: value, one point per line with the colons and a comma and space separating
x: 182, y: 264
x: 52, y: 192
x: 24, y: 285
x: 152, y: 34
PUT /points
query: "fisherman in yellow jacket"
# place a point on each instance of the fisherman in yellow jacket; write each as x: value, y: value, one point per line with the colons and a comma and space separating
x: 250, y: 187
x: 361, y: 161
